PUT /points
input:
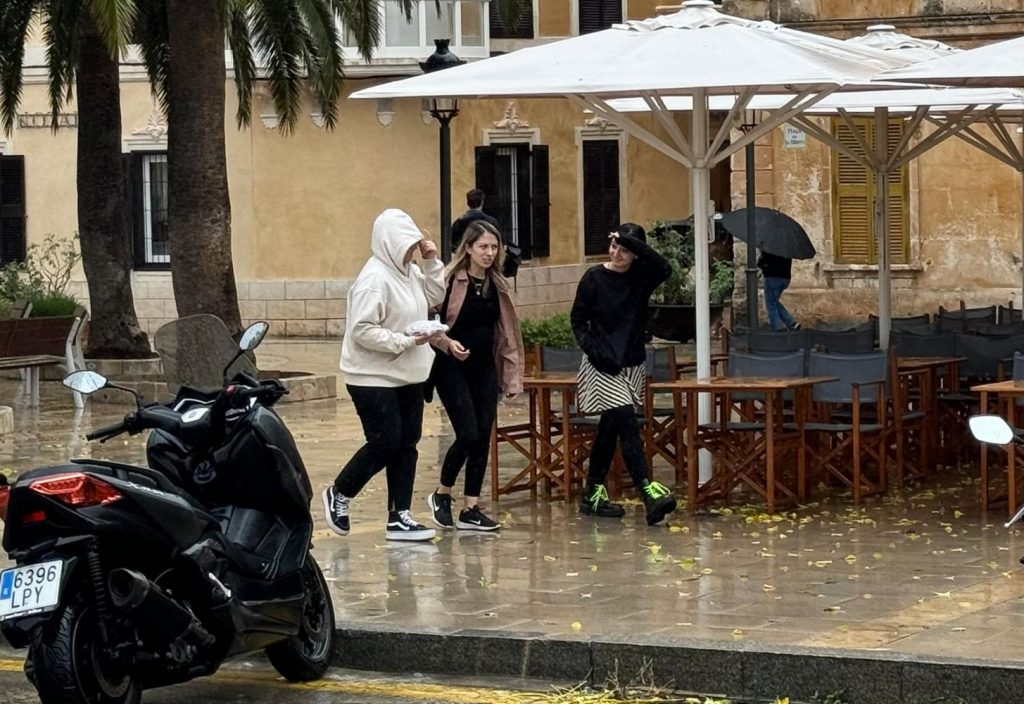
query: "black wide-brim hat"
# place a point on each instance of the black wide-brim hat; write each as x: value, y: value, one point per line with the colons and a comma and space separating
x: 628, y: 235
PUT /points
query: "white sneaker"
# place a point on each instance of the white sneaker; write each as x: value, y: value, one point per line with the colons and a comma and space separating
x: 402, y: 526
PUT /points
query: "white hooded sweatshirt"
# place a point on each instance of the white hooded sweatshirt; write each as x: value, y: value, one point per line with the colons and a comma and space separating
x: 386, y: 297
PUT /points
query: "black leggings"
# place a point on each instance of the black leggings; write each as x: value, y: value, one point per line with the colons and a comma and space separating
x: 618, y: 424
x: 392, y: 419
x: 469, y: 393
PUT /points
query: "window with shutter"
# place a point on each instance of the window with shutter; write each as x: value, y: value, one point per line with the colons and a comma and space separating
x: 12, y: 209
x: 600, y: 193
x: 596, y: 15
x: 149, y: 210
x: 514, y: 179
x: 511, y: 19
x: 853, y: 199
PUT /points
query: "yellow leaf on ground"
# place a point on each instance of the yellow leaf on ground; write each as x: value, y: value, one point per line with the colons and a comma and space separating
x: 577, y: 626
x: 548, y: 558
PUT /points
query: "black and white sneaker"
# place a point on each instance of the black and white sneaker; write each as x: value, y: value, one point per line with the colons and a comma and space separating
x: 440, y: 506
x: 336, y: 509
x: 402, y: 526
x: 475, y: 519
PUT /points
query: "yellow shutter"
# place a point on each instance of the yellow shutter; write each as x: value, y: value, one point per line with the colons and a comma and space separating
x: 854, y: 199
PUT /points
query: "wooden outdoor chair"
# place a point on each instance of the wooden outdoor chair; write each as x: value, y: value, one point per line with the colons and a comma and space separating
x: 662, y: 423
x: 847, y: 439
x: 852, y: 341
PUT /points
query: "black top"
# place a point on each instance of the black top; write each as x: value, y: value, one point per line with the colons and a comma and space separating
x: 609, y: 315
x: 460, y: 224
x: 775, y: 267
x: 478, y: 317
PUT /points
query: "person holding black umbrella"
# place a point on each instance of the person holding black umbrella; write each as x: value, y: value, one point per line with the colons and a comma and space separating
x: 777, y: 275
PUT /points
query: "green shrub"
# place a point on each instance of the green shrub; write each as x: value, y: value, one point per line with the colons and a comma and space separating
x: 43, y: 278
x: 56, y: 304
x: 722, y: 281
x: 555, y: 331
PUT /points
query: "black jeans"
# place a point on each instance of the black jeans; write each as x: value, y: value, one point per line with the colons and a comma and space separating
x: 469, y: 393
x: 392, y: 419
x: 619, y: 424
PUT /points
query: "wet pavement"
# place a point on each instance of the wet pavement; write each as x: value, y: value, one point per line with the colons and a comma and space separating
x: 924, y: 572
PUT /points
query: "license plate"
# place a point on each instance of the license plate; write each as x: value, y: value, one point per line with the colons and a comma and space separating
x: 30, y: 589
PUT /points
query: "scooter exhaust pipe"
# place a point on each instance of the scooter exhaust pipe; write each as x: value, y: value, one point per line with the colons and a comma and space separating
x: 157, y: 616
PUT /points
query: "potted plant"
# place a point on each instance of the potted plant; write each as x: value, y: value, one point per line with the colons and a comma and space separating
x: 672, y: 315
x: 554, y: 331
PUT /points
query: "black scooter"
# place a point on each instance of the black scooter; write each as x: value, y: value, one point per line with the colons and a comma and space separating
x: 129, y: 578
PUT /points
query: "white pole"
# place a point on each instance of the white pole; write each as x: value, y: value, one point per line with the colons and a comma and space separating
x: 881, y: 220
x: 700, y: 188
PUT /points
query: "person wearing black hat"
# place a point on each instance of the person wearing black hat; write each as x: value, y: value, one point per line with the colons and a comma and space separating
x: 609, y: 319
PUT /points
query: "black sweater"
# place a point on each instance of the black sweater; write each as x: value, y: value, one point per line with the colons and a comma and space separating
x: 609, y: 315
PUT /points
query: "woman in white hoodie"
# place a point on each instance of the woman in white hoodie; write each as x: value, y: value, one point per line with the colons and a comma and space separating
x: 385, y: 369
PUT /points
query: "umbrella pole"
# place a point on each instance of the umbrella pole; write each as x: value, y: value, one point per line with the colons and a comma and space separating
x: 700, y: 187
x: 881, y: 215
x: 751, y: 237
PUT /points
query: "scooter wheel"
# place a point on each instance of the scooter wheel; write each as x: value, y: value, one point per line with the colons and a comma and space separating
x: 68, y: 651
x: 307, y: 656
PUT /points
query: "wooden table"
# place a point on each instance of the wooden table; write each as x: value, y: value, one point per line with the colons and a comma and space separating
x: 739, y: 462
x: 1007, y: 393
x: 543, y: 441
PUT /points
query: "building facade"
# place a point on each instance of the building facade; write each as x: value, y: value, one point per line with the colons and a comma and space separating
x: 559, y: 180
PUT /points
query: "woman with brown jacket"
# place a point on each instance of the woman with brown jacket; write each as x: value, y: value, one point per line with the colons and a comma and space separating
x: 481, y: 355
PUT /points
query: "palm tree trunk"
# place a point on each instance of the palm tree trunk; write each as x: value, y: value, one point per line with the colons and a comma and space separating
x: 102, y: 206
x: 199, y: 207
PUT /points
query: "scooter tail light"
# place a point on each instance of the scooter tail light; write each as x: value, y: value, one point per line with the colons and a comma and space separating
x: 5, y: 497
x: 76, y: 489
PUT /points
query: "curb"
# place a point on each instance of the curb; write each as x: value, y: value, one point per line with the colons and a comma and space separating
x: 740, y: 671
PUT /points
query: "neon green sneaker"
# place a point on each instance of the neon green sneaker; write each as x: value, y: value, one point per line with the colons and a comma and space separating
x: 658, y: 500
x: 596, y: 503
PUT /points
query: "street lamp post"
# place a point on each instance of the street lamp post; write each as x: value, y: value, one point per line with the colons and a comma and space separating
x: 750, y: 120
x: 444, y: 110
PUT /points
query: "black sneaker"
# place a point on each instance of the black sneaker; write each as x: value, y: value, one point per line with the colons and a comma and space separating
x: 658, y: 501
x: 440, y: 506
x: 796, y: 326
x: 475, y: 519
x: 595, y: 503
x: 336, y: 510
x: 402, y: 526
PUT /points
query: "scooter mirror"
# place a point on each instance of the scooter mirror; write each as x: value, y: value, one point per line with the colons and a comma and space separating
x: 253, y: 336
x: 85, y: 382
x: 991, y: 429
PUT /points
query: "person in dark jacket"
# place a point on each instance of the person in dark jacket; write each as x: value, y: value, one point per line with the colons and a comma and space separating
x: 609, y: 319
x: 777, y: 275
x: 475, y: 202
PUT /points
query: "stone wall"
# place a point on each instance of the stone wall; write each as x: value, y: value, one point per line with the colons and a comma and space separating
x: 317, y: 308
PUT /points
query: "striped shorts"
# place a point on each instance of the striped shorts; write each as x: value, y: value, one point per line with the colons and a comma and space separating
x: 599, y: 392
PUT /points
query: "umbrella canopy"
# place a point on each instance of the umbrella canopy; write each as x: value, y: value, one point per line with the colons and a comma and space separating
x: 776, y: 233
x: 695, y: 48
x: 995, y: 65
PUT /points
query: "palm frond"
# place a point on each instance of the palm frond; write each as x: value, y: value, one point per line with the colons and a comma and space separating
x: 15, y: 18
x: 323, y: 58
x: 114, y: 19
x: 362, y: 20
x: 61, y: 25
x: 240, y: 40
x: 151, y: 36
x: 280, y: 39
x: 510, y: 12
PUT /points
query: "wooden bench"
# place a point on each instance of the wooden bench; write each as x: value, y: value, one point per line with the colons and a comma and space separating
x: 32, y: 343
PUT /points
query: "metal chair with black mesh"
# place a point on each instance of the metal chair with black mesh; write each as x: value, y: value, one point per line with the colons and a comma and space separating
x: 851, y: 341
x: 850, y: 427
x: 764, y: 341
x: 747, y: 404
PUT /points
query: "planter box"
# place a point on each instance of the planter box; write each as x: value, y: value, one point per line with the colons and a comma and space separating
x: 678, y: 323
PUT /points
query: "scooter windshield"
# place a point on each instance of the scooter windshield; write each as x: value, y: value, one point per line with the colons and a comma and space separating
x: 194, y: 352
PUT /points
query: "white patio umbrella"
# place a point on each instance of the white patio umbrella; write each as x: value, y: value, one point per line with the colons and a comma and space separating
x: 952, y: 110
x: 696, y: 52
x: 996, y: 65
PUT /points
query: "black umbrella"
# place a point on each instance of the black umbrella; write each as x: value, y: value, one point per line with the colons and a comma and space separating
x: 776, y: 232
